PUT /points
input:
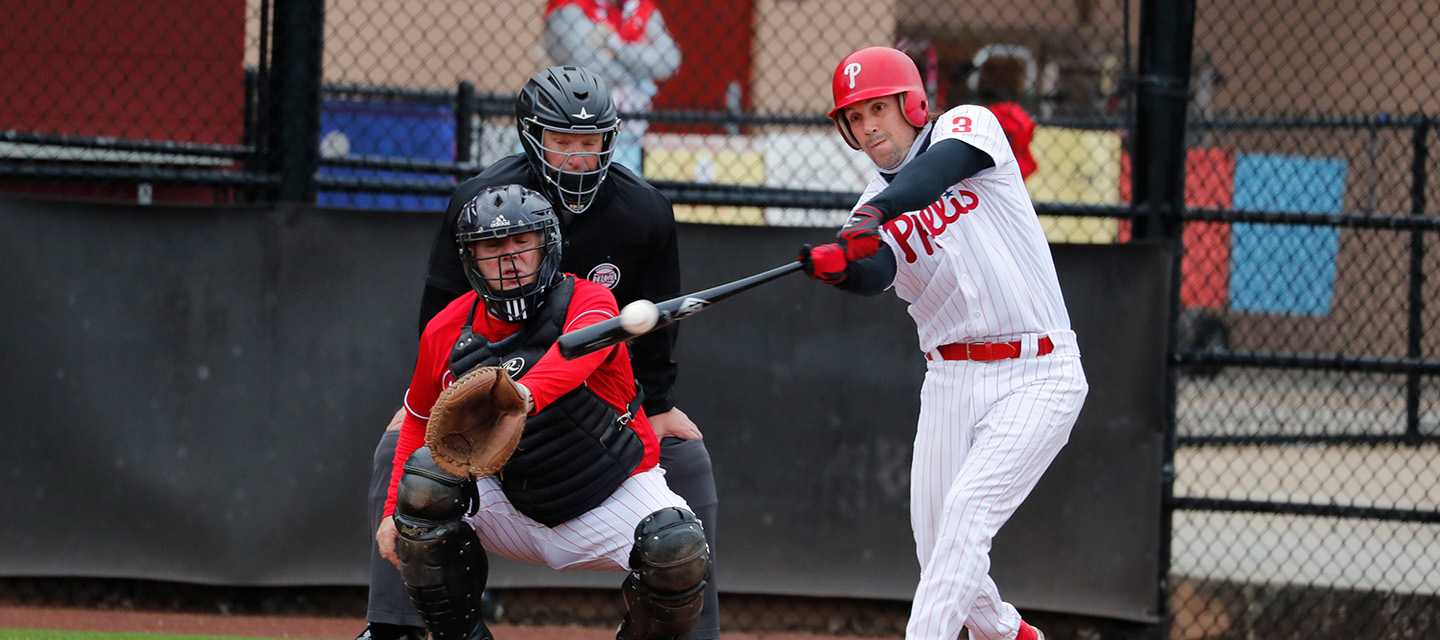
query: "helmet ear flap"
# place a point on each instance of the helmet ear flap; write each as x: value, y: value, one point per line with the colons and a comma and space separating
x: 915, y: 115
x: 845, y: 131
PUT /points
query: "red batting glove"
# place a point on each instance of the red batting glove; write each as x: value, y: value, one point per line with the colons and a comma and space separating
x: 860, y: 237
x: 825, y: 263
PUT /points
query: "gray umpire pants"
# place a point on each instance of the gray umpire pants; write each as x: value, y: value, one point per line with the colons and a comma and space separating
x: 687, y: 471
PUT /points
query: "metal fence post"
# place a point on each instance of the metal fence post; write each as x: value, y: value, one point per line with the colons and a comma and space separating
x: 1162, y: 95
x: 294, y: 107
x: 1416, y: 330
x: 1158, y: 175
x: 250, y: 133
x: 465, y: 123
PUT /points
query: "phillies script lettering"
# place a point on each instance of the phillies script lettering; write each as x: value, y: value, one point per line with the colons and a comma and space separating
x: 930, y: 222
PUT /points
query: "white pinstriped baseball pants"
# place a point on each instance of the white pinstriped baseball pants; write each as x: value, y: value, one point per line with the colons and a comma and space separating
x: 987, y: 432
x: 599, y: 539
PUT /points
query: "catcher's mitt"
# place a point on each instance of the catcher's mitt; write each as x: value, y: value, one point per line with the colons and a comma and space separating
x: 476, y: 423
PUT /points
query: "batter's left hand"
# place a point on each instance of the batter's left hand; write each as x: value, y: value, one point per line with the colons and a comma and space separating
x: 674, y: 423
x: 860, y: 237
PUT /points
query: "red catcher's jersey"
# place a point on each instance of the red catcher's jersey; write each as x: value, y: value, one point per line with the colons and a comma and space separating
x: 607, y: 372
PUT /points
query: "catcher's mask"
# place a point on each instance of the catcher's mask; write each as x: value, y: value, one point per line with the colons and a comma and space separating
x: 498, y: 213
x: 567, y: 100
x: 875, y: 72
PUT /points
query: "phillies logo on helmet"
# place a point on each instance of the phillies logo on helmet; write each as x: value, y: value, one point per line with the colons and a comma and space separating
x: 852, y: 70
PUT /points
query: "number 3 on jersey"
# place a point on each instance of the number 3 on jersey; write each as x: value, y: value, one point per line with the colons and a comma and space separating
x: 961, y: 125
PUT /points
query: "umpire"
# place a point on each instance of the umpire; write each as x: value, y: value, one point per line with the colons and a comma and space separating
x: 619, y: 231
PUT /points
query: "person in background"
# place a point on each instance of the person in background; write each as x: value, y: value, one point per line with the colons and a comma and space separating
x: 1018, y: 126
x: 626, y: 43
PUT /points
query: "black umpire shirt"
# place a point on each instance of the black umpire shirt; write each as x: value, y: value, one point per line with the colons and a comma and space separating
x: 625, y: 241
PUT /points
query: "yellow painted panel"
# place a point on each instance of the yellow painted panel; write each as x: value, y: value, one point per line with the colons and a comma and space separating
x: 1078, y: 230
x: 713, y: 167
x: 1081, y: 167
x: 1075, y: 166
x: 739, y: 168
x: 663, y: 164
x: 704, y: 214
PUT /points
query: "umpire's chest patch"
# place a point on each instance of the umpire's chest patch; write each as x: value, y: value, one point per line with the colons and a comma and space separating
x: 605, y: 273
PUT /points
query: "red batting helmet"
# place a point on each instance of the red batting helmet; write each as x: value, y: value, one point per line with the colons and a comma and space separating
x: 875, y: 72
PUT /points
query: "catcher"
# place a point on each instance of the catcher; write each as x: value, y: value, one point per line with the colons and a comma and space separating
x: 531, y: 456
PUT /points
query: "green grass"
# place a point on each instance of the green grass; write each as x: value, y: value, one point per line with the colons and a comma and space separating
x: 37, y: 634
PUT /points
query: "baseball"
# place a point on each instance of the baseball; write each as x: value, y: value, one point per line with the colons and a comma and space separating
x: 639, y: 316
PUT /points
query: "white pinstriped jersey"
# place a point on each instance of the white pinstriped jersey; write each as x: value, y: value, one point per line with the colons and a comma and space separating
x: 975, y: 266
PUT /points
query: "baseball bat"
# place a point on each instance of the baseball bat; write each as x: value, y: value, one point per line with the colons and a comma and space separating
x: 608, y: 332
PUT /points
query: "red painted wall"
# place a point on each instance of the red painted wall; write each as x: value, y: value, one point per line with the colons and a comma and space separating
x: 160, y: 69
x: 714, y: 41
x: 1205, y: 267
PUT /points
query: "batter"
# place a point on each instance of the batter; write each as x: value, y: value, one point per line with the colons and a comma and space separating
x: 948, y: 223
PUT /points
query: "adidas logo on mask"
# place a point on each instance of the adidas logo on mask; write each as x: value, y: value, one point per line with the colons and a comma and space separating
x: 499, y: 221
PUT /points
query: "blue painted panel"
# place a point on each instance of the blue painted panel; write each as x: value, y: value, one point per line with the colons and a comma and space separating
x: 1284, y: 268
x: 414, y: 132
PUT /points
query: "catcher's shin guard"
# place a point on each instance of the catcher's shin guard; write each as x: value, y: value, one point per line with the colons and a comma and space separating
x: 441, y: 560
x: 669, y: 566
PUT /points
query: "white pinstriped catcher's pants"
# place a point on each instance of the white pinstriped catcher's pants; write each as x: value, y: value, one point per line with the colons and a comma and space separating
x: 599, y: 539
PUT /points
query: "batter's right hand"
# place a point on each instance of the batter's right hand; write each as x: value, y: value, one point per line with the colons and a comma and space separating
x: 825, y: 263
x: 385, y: 538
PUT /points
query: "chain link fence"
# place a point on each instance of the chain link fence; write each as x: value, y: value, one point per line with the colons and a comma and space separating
x: 372, y: 104
x: 1306, y: 441
x: 148, y: 102
x: 1307, y: 472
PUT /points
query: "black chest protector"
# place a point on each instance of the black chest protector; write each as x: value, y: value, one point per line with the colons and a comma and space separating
x: 576, y: 451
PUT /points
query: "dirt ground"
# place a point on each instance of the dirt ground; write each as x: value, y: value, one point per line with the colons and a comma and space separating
x: 14, y: 617
x: 313, y: 628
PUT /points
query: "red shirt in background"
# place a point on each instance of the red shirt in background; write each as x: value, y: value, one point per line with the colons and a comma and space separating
x: 627, y: 19
x: 1020, y: 130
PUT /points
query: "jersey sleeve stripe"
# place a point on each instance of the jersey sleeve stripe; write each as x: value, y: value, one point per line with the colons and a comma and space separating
x: 425, y: 416
x: 604, y: 316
